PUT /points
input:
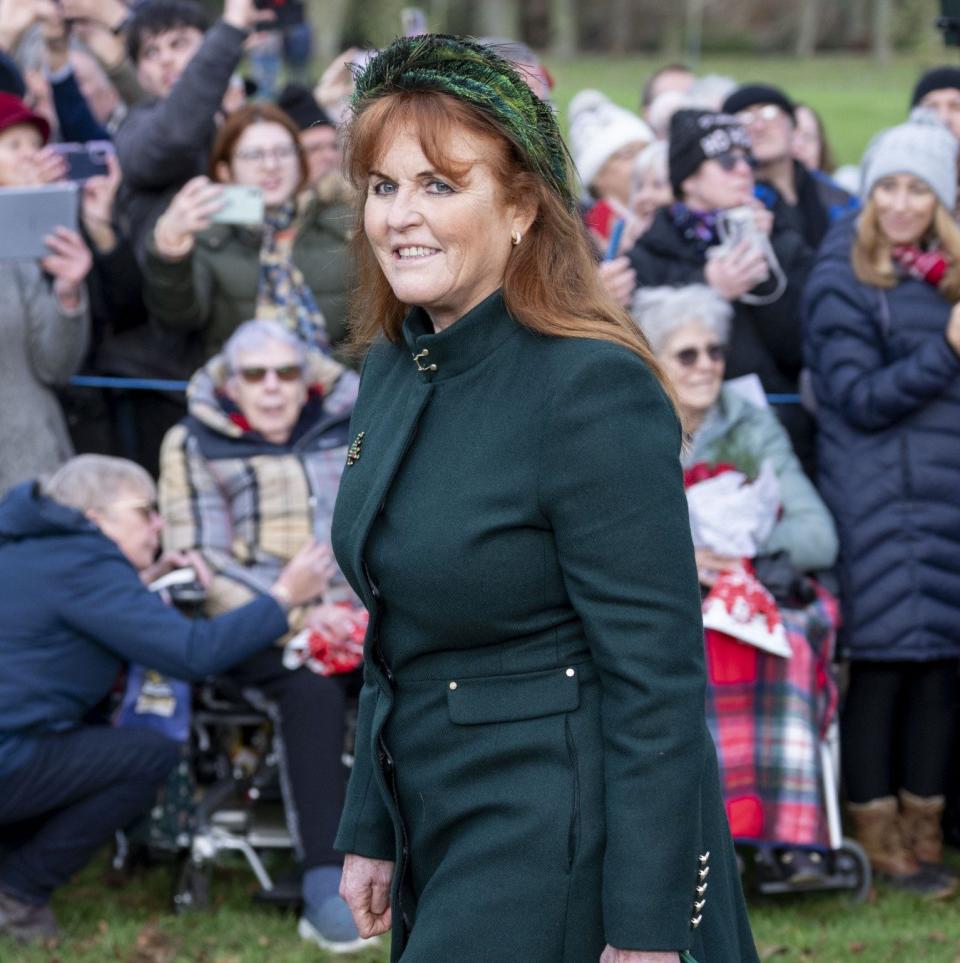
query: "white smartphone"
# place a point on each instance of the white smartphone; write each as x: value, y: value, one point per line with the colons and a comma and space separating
x: 241, y: 205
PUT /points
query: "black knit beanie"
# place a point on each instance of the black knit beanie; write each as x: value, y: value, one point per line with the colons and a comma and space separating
x: 697, y: 136
x: 750, y: 94
x: 939, y: 78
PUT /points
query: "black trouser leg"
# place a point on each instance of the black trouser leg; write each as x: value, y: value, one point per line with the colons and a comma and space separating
x: 928, y: 722
x: 86, y: 784
x: 312, y: 709
x: 868, y: 737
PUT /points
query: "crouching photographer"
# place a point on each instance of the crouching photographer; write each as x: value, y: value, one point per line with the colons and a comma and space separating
x: 75, y: 553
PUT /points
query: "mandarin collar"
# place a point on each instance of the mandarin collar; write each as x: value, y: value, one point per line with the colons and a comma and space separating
x: 461, y: 346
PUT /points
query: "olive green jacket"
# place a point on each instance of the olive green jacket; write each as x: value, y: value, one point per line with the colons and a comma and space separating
x: 532, y: 748
x: 214, y: 289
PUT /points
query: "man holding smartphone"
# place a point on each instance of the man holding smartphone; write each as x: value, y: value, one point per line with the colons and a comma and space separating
x: 186, y: 69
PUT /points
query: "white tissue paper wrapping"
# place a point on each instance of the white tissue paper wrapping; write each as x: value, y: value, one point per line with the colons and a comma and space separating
x: 731, y: 516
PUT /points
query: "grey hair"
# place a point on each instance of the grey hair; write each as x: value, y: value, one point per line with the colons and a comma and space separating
x: 651, y: 157
x: 710, y: 91
x: 251, y: 336
x: 659, y: 312
x: 93, y: 481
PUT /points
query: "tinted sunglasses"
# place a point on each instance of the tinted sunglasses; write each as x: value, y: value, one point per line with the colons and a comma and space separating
x: 728, y: 160
x: 688, y: 357
x: 284, y: 372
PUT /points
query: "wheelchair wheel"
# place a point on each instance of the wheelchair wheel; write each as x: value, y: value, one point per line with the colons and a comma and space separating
x: 851, y: 867
x: 193, y: 887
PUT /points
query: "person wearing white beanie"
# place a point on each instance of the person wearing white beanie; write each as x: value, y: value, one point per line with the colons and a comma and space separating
x: 604, y: 140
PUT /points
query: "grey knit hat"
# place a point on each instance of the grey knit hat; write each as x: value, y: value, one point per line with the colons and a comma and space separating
x: 922, y: 147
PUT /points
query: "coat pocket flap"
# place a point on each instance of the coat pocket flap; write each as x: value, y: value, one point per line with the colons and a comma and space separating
x: 507, y: 698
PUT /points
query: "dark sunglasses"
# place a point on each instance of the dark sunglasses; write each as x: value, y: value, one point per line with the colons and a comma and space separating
x: 688, y: 357
x: 285, y: 372
x: 728, y: 160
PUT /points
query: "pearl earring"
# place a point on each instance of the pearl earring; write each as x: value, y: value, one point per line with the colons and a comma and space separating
x: 515, y: 238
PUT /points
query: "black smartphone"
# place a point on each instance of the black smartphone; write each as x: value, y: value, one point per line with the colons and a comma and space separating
x: 287, y: 13
x: 85, y: 160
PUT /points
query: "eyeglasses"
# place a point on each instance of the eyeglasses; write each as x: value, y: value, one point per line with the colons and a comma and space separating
x: 284, y: 372
x: 766, y: 113
x: 148, y: 508
x: 259, y: 155
x: 688, y: 357
x: 728, y: 160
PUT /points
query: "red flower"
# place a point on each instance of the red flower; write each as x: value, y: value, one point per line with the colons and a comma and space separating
x: 701, y: 471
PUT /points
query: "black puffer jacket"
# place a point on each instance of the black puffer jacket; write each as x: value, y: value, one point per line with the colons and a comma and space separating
x: 888, y: 392
x: 766, y: 340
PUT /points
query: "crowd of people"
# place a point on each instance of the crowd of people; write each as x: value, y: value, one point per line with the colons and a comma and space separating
x: 805, y: 321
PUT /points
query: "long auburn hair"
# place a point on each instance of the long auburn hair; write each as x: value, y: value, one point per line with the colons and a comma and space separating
x: 873, y: 263
x: 551, y: 284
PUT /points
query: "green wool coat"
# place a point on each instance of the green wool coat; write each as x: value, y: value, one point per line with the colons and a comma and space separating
x: 532, y: 748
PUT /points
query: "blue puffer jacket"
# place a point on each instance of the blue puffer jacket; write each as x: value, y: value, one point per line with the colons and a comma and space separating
x: 887, y: 385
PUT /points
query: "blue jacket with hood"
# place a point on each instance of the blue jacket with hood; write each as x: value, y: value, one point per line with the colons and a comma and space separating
x: 887, y: 386
x: 73, y: 610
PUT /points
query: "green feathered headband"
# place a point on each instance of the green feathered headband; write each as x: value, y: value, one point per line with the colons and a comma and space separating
x: 474, y: 73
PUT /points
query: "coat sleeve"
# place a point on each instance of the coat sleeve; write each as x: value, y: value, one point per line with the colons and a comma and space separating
x: 176, y: 293
x: 76, y: 120
x: 104, y: 599
x: 844, y: 347
x: 805, y: 530
x: 612, y: 489
x: 365, y: 825
x: 57, y: 340
x: 157, y: 144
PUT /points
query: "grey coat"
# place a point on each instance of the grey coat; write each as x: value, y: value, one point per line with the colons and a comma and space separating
x: 805, y: 529
x: 41, y: 345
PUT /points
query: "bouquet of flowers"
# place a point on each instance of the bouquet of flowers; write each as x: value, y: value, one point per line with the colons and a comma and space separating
x: 732, y: 515
x: 325, y: 655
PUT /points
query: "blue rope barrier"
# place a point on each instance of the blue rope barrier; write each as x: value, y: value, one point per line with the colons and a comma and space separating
x: 160, y: 384
x: 135, y: 384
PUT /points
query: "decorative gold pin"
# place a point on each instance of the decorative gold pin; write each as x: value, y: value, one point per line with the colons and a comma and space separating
x: 353, y: 452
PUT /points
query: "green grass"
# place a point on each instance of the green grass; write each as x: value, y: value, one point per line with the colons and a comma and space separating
x: 134, y: 923
x: 855, y: 96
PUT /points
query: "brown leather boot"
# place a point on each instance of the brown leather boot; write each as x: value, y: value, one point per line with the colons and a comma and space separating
x: 877, y: 828
x: 921, y: 821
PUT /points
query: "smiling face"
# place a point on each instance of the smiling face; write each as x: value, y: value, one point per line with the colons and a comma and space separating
x: 164, y: 56
x: 265, y: 156
x: 715, y: 188
x: 442, y: 244
x: 692, y: 359
x: 131, y: 520
x: 905, y: 206
x: 269, y: 388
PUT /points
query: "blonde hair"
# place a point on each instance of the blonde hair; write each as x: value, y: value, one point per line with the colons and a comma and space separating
x: 871, y: 255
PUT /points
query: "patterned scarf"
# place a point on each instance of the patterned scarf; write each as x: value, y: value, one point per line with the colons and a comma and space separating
x: 697, y: 227
x: 915, y: 262
x: 283, y: 294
